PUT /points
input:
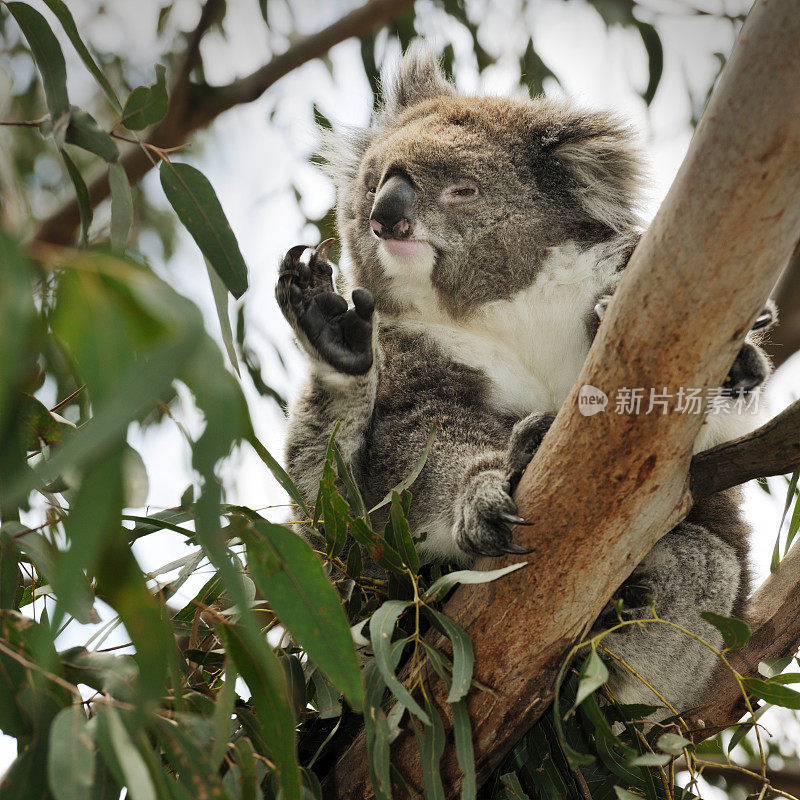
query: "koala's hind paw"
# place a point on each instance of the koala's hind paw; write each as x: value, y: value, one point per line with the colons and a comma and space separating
x: 526, y: 436
x: 305, y: 292
x: 484, y: 514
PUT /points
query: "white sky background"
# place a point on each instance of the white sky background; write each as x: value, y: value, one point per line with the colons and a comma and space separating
x: 252, y: 163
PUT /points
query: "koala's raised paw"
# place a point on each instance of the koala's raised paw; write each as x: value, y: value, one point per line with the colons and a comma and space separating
x: 305, y: 292
x: 526, y: 436
x: 485, y: 513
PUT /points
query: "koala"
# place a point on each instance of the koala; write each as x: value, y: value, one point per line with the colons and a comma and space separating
x: 478, y: 236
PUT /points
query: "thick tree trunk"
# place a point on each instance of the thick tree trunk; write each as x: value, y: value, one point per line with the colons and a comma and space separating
x: 604, y: 488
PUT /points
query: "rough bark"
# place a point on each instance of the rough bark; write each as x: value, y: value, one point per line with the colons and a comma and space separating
x: 193, y: 107
x: 603, y: 489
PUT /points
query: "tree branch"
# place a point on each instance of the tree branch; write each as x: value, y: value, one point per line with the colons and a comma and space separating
x: 774, y: 449
x: 603, y: 489
x: 193, y: 107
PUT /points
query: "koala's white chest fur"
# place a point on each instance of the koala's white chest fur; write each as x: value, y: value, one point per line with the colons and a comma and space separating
x: 531, y: 347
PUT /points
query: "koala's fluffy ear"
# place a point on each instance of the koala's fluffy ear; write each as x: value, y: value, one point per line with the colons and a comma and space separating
x: 419, y: 77
x: 603, y: 166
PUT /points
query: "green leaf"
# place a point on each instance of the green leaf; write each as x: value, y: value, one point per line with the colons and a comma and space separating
x: 412, y: 476
x: 794, y: 526
x: 745, y: 727
x: 381, y: 628
x: 93, y: 519
x: 117, y: 745
x: 672, y: 743
x: 624, y: 794
x: 463, y: 656
x: 84, y: 132
x: 198, y: 208
x: 47, y: 55
x: 279, y: 473
x: 223, y: 709
x: 735, y: 633
x: 431, y: 741
x: 442, y: 585
x: 791, y: 494
x: 105, y: 672
x: 132, y: 336
x: 121, y: 206
x: 353, y: 494
x: 770, y: 667
x: 246, y: 761
x: 774, y: 693
x: 462, y: 733
x: 82, y: 193
x: 68, y: 23
x: 38, y: 424
x: 9, y: 570
x: 262, y: 673
x: 655, y: 58
x: 70, y: 757
x: 221, y: 303
x: 377, y: 732
x: 292, y: 580
x: 328, y: 705
x: 18, y: 315
x: 146, y: 105
x: 333, y: 507
x: 513, y: 787
x: 593, y: 675
x: 650, y: 760
x: 401, y: 534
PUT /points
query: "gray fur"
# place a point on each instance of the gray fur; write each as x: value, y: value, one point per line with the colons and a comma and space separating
x: 558, y: 192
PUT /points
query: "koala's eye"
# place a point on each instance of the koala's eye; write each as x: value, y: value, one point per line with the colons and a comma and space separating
x: 460, y: 193
x: 371, y: 192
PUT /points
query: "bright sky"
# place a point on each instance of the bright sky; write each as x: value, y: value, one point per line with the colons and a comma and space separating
x: 253, y: 159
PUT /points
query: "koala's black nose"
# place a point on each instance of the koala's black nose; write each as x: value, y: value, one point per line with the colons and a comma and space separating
x: 392, y: 211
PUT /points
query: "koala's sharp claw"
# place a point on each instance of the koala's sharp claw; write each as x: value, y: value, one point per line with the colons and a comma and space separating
x: 513, y: 519
x: 321, y: 253
x: 298, y: 250
x: 764, y: 319
x: 514, y: 549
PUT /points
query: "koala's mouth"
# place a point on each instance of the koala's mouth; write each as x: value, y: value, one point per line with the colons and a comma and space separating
x: 404, y: 248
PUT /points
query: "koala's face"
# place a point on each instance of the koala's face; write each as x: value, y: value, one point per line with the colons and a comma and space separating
x: 456, y: 200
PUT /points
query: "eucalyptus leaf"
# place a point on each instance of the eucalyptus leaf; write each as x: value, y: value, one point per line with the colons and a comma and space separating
x: 121, y: 206
x: 735, y: 632
x: 775, y: 693
x: 292, y: 580
x: 381, y: 627
x: 463, y: 655
x: 442, y: 585
x: 82, y: 194
x: 47, y: 54
x: 431, y: 741
x: 408, y: 481
x: 672, y: 743
x: 84, y: 132
x: 146, y: 105
x: 198, y: 208
x: 70, y: 756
